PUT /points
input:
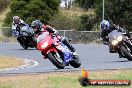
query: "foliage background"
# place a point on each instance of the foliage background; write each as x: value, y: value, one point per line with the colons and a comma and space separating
x: 29, y: 10
x: 118, y: 12
x: 4, y: 4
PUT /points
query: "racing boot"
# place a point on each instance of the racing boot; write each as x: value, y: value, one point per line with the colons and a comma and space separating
x: 43, y: 55
x: 19, y: 39
x: 111, y: 50
x: 120, y: 56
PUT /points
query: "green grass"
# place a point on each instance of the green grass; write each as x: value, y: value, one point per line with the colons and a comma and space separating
x: 62, y: 80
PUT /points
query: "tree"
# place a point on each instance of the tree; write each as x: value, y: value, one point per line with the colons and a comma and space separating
x: 68, y: 3
x: 3, y: 4
x: 29, y: 10
x: 87, y: 22
x: 86, y: 4
x: 116, y: 11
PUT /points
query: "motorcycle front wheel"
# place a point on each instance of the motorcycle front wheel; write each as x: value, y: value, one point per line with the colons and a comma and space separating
x: 127, y: 54
x: 24, y: 46
x: 57, y: 61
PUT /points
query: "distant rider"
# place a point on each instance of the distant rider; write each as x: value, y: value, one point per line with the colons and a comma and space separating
x: 39, y: 28
x: 106, y: 29
x: 17, y: 24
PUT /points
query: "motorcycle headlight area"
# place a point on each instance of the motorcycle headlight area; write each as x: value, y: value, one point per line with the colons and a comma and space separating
x: 119, y: 38
x: 44, y: 45
x: 114, y: 42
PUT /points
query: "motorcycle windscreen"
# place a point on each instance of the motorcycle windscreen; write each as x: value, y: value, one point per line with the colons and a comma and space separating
x: 114, y: 34
x: 42, y: 36
x: 26, y: 31
x: 30, y: 30
x: 67, y: 54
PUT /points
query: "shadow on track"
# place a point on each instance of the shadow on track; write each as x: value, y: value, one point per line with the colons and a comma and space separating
x: 25, y: 49
x: 121, y: 61
x: 63, y: 69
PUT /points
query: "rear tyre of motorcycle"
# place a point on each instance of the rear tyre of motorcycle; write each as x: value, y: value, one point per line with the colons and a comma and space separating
x: 53, y: 59
x: 75, y: 62
x: 24, y: 46
x: 126, y: 53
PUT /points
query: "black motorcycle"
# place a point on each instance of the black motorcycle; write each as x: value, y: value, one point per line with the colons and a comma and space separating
x: 121, y: 44
x: 27, y: 38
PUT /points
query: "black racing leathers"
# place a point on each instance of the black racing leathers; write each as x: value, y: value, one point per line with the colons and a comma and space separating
x: 104, y: 34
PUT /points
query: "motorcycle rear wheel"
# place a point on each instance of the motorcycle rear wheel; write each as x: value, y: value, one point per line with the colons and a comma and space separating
x: 54, y: 59
x: 75, y: 62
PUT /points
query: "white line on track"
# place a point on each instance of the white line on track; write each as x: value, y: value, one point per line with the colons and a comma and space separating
x: 28, y: 64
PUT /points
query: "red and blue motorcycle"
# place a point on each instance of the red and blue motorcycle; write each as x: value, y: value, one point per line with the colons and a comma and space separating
x: 56, y: 51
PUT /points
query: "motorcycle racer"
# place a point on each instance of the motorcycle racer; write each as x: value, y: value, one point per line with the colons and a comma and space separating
x: 106, y: 29
x: 39, y: 28
x: 17, y: 24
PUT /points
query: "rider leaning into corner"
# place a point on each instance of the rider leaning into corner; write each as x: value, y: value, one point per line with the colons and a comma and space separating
x: 106, y: 28
x: 16, y: 25
x: 39, y: 28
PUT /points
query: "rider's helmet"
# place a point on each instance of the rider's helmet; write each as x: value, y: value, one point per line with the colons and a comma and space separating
x: 104, y: 25
x: 36, y: 24
x: 16, y: 19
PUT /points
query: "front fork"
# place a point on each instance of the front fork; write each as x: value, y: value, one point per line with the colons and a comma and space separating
x: 117, y: 48
x: 119, y: 52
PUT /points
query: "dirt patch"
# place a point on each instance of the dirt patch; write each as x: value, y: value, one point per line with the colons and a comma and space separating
x: 7, y: 62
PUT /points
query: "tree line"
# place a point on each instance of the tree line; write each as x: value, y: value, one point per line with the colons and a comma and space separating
x: 116, y: 11
x: 4, y: 4
x: 29, y: 10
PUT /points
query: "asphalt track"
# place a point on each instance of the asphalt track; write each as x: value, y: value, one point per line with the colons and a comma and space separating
x: 93, y: 57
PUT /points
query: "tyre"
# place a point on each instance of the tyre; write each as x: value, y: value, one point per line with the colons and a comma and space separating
x: 75, y: 62
x: 127, y: 54
x: 24, y: 46
x: 22, y: 42
x: 57, y: 61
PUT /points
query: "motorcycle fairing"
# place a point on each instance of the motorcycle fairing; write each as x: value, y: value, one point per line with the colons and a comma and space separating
x: 67, y: 54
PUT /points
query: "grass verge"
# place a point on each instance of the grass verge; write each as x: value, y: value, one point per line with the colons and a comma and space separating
x: 7, y: 62
x: 62, y: 80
